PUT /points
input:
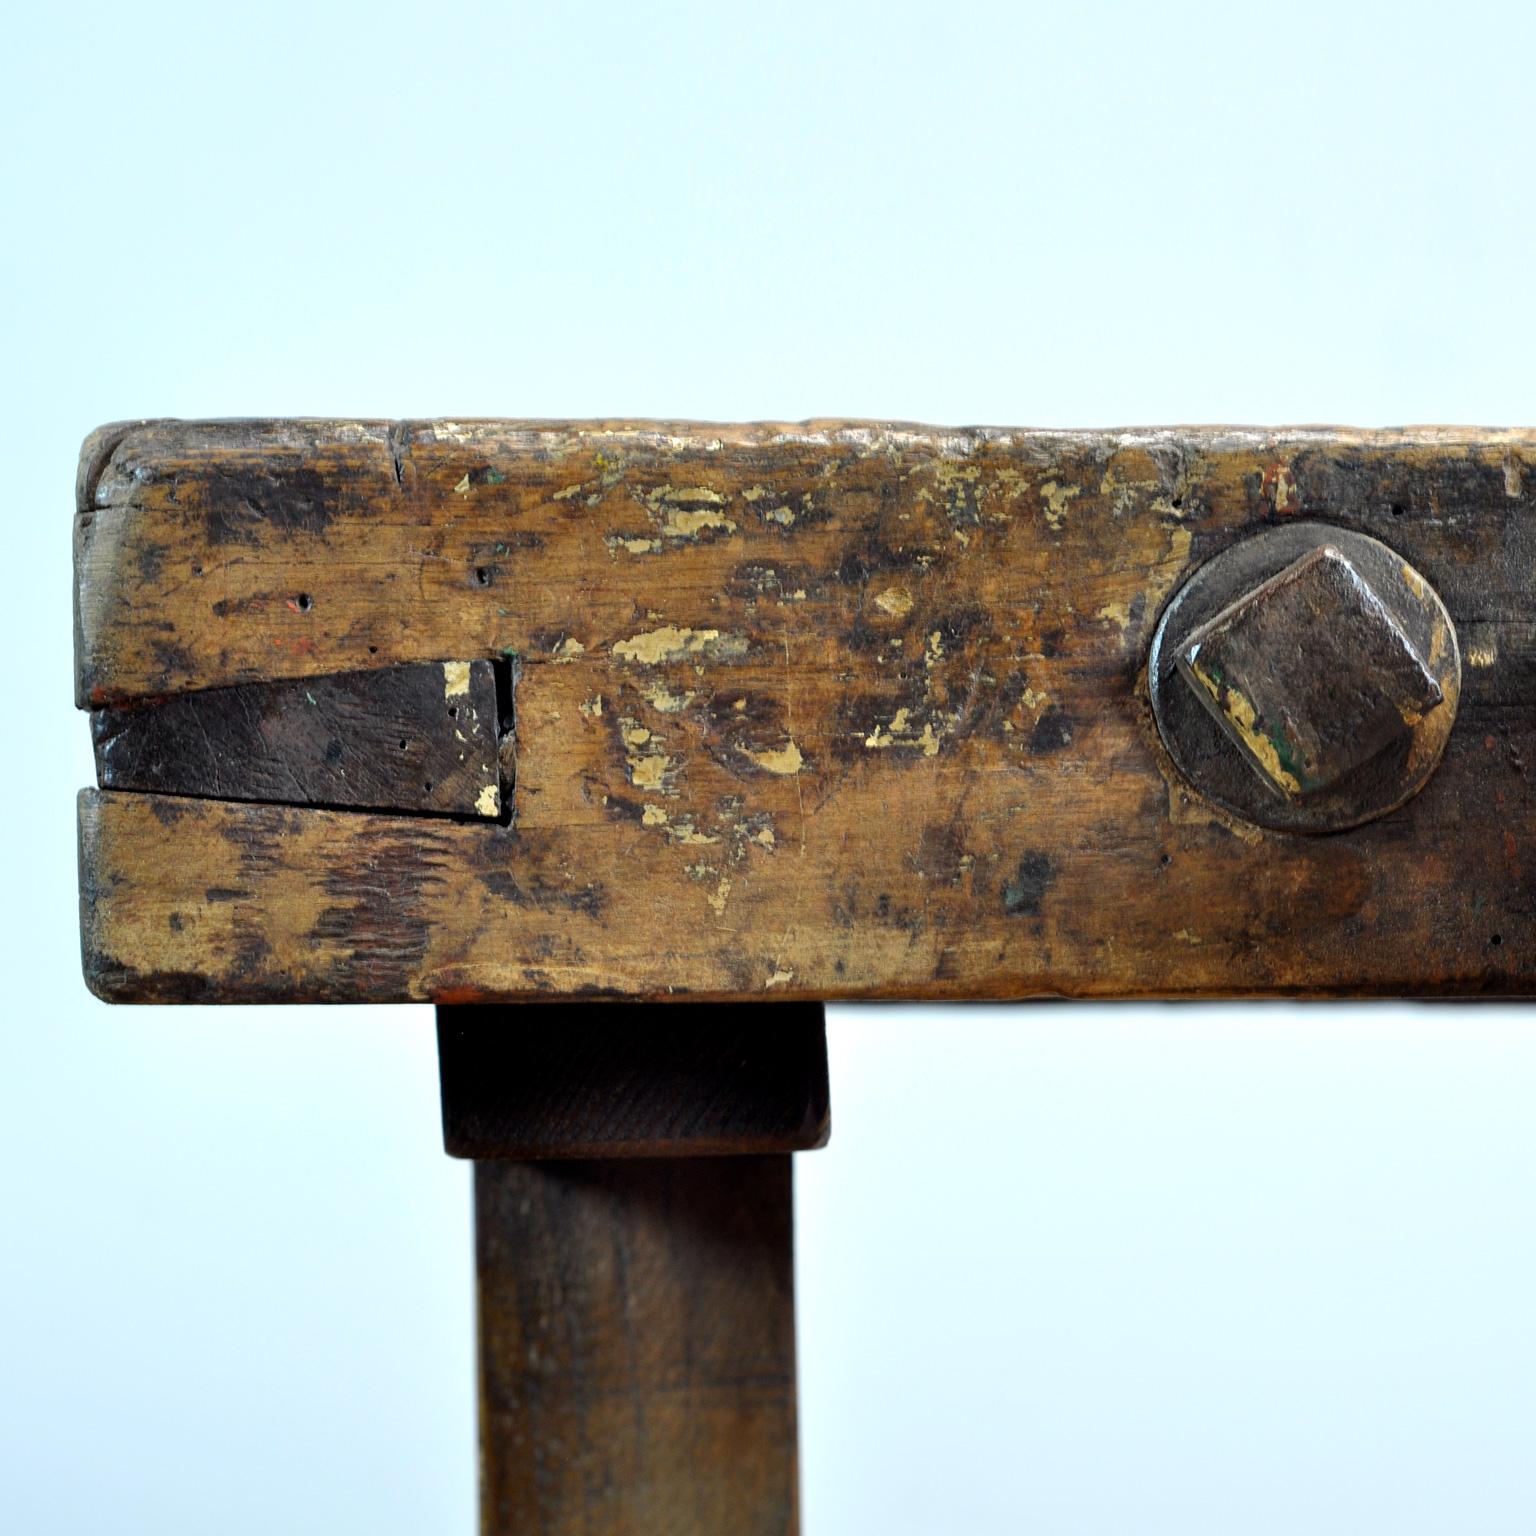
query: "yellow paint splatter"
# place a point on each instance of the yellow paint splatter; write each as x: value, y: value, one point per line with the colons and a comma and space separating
x: 455, y: 679
x: 883, y: 736
x: 1057, y: 498
x: 1280, y: 483
x: 685, y: 493
x: 462, y: 488
x: 689, y: 523
x: 1118, y: 614
x: 779, y: 978
x: 648, y: 764
x: 1240, y: 712
x: 899, y: 733
x: 684, y: 831
x: 896, y: 601
x: 957, y: 486
x: 648, y: 771
x: 684, y: 512
x: 569, y: 649
x: 1178, y: 546
x: 669, y: 643
x: 1119, y: 495
x: 489, y: 801
x: 660, y: 697
x: 1439, y: 644
x: 782, y: 760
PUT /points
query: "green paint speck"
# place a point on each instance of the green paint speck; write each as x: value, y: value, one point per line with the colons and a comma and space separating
x: 1288, y: 759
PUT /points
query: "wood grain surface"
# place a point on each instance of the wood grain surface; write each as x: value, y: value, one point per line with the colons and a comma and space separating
x: 637, y: 1347
x: 819, y: 711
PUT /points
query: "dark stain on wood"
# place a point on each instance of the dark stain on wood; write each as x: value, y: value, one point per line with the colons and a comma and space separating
x: 1024, y: 895
x: 246, y: 502
x: 503, y: 883
x: 377, y: 921
x: 1052, y: 733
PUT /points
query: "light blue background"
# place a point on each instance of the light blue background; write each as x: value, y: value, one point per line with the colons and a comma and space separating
x: 1063, y: 1270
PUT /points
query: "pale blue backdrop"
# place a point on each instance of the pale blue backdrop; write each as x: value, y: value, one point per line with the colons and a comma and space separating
x: 1065, y: 1271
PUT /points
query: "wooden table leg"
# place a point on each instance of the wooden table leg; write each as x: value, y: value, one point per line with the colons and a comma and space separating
x: 636, y: 1311
x: 637, y: 1347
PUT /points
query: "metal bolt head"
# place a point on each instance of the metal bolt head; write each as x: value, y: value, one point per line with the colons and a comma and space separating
x: 1306, y: 678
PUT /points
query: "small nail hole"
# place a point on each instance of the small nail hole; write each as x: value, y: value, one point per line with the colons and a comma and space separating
x: 453, y: 711
x: 1397, y: 509
x: 482, y: 576
x: 428, y: 786
x: 373, y: 650
x: 306, y: 602
x: 1497, y: 938
x: 403, y: 743
x: 1167, y: 859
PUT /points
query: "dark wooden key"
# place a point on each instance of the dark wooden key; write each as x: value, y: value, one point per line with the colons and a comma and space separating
x: 423, y: 737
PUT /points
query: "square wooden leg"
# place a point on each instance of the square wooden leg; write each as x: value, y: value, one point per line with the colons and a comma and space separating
x: 637, y: 1347
x: 636, y: 1310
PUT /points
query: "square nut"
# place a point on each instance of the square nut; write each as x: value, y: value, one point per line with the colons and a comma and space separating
x: 1309, y: 674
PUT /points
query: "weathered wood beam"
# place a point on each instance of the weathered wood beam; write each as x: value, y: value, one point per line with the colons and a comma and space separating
x: 834, y: 710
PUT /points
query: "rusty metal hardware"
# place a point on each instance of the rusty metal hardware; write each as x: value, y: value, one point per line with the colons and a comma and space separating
x: 1306, y: 679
